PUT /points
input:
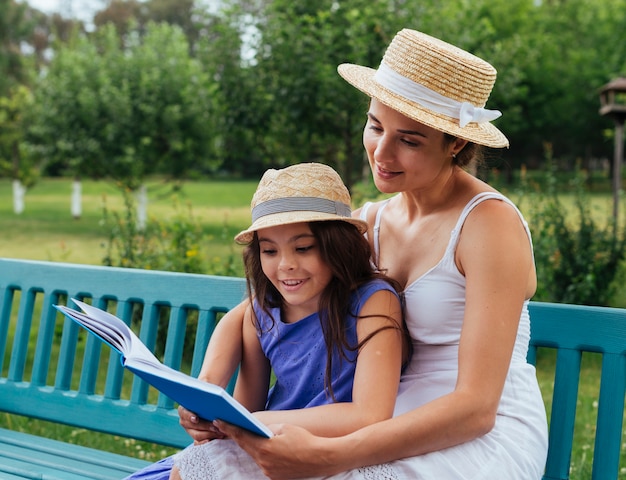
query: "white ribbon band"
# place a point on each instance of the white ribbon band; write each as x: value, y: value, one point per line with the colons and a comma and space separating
x: 427, y: 98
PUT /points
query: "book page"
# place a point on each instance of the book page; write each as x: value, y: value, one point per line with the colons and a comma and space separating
x: 130, y: 345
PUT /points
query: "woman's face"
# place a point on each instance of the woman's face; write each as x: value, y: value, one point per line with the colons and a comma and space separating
x: 404, y: 154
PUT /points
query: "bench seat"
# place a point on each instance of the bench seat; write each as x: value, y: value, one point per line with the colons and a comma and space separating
x: 28, y: 456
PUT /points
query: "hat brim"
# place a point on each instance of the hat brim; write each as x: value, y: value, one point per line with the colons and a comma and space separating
x: 286, y: 218
x: 481, y: 133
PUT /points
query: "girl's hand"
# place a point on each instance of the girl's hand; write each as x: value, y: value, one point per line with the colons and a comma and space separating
x: 200, y: 430
x: 293, y: 452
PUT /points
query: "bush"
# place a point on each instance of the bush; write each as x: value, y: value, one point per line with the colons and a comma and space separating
x: 578, y: 260
x: 160, y: 245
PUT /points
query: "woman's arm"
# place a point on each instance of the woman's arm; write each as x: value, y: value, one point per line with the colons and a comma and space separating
x: 376, y: 377
x: 495, y: 256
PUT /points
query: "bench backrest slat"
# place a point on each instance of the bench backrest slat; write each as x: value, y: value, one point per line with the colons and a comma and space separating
x: 610, y: 413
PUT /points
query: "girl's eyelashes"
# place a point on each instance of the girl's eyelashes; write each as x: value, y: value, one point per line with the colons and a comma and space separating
x: 272, y: 251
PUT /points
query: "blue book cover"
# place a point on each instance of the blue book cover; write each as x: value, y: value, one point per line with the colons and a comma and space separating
x: 208, y: 401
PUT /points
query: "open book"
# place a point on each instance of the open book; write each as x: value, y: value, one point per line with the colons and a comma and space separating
x: 208, y: 401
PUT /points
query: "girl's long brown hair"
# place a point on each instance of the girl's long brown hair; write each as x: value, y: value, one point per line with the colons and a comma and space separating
x: 347, y: 252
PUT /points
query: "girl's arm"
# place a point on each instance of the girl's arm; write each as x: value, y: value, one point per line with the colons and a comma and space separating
x: 223, y: 354
x: 495, y: 256
x: 222, y: 357
x: 376, y: 377
x: 253, y: 379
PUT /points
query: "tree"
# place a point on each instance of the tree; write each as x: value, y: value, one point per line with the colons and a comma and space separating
x: 15, y: 28
x: 309, y: 112
x: 276, y: 97
x: 241, y: 128
x: 127, y: 15
x: 125, y: 111
x: 15, y: 162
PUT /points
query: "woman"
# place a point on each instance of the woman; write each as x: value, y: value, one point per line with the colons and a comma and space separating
x: 468, y: 405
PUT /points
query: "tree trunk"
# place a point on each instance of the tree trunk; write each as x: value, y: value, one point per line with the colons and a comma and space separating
x: 18, y: 197
x: 142, y: 207
x: 76, y: 207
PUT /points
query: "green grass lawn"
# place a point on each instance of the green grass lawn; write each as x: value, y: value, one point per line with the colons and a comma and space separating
x: 46, y: 231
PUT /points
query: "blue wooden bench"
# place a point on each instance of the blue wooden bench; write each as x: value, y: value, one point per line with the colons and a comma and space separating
x: 50, y: 369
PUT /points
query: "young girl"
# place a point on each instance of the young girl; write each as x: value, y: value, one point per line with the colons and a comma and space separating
x: 323, y: 321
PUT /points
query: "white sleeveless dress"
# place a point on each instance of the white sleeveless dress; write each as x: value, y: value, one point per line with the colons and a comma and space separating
x: 516, y: 448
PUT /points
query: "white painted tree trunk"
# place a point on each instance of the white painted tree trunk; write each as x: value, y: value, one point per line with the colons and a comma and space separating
x: 18, y: 197
x: 142, y: 207
x: 76, y: 207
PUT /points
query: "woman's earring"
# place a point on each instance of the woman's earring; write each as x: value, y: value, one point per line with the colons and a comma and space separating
x: 454, y: 156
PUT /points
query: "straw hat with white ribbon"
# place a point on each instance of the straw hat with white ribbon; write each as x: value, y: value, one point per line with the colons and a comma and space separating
x: 434, y: 83
x: 307, y: 192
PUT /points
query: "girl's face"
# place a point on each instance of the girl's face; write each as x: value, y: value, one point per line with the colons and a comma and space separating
x: 404, y: 154
x: 291, y: 260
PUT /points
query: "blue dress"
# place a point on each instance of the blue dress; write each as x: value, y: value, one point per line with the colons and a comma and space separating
x: 297, y: 353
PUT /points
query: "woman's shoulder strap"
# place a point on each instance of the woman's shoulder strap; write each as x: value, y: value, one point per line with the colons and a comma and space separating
x: 378, y: 212
x: 477, y: 200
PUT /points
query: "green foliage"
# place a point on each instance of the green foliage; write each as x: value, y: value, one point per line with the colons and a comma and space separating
x: 240, y: 131
x: 303, y: 110
x: 15, y: 161
x: 244, y: 85
x: 16, y: 27
x: 125, y: 110
x: 287, y: 104
x: 579, y: 260
x: 170, y: 245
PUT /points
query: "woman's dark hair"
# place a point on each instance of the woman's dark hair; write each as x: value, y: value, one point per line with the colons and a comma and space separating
x: 347, y: 252
x: 470, y: 155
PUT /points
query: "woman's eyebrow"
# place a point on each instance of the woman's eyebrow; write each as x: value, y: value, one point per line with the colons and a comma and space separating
x: 406, y: 132
x: 413, y: 132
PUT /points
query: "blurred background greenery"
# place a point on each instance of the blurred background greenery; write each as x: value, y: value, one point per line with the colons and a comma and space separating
x: 195, y: 89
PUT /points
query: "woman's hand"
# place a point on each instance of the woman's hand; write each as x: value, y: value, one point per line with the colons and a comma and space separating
x: 293, y: 452
x: 200, y: 430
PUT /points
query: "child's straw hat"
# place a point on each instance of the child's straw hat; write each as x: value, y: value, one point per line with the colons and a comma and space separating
x: 307, y: 192
x: 434, y: 83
